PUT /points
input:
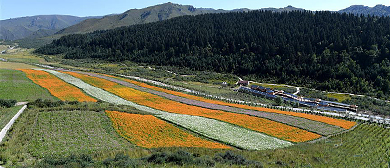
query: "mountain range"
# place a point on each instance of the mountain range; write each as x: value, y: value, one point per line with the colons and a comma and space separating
x: 378, y: 10
x: 46, y: 25
x: 36, y: 26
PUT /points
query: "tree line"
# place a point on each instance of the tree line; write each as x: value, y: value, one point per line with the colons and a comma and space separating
x: 324, y: 50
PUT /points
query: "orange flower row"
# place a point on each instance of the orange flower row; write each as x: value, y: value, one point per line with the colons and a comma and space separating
x: 266, y: 126
x: 328, y: 120
x: 150, y: 132
x: 57, y: 87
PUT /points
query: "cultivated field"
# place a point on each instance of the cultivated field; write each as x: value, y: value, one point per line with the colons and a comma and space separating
x: 151, y: 132
x: 15, y: 85
x: 15, y: 65
x: 167, y: 121
x: 57, y: 87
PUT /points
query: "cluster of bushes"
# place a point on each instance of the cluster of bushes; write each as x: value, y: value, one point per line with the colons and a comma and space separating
x: 99, y: 106
x: 70, y: 161
x: 185, y: 158
x: 46, y: 103
x: 176, y: 158
x: 7, y: 103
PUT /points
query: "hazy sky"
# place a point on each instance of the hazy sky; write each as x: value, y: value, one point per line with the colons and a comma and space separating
x: 20, y: 8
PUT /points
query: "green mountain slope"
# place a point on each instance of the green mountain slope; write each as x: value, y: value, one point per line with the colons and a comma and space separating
x: 150, y: 14
x: 325, y: 50
x: 137, y: 16
x: 35, y: 26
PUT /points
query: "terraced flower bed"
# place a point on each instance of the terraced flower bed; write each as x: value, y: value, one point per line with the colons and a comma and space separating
x: 268, y: 127
x: 213, y: 129
x: 57, y: 87
x: 150, y: 132
x: 303, y: 123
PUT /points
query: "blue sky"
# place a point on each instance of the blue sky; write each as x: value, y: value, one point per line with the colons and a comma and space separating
x: 20, y: 8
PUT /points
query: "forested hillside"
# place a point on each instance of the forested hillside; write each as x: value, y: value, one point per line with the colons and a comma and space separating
x: 325, y: 50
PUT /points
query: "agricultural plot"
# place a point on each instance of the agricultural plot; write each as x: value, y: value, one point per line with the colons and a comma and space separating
x: 339, y: 96
x: 15, y: 65
x: 60, y: 133
x: 210, y: 128
x: 337, y: 122
x: 311, y: 125
x: 15, y: 85
x: 6, y: 114
x: 225, y: 132
x: 366, y: 146
x: 151, y: 132
x: 57, y: 87
x: 23, y: 55
x: 262, y: 125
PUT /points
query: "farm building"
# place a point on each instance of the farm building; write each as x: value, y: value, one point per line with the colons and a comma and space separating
x: 243, y: 83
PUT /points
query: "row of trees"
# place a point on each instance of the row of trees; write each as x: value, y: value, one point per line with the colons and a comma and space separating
x: 325, y: 50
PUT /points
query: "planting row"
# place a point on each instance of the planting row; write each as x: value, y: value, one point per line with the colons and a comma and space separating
x: 57, y: 87
x: 210, y: 128
x: 262, y: 125
x: 304, y: 123
x: 151, y: 132
x: 332, y: 121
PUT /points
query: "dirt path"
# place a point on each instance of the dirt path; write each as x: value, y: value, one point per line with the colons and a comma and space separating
x: 8, y: 126
x: 20, y: 103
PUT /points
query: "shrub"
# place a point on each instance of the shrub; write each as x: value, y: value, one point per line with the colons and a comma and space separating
x: 122, y: 160
x: 46, y: 103
x: 230, y: 157
x: 204, y: 161
x: 179, y: 158
x: 70, y: 161
x: 7, y: 103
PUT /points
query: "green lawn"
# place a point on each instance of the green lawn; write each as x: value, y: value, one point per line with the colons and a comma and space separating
x: 15, y: 85
x: 6, y: 114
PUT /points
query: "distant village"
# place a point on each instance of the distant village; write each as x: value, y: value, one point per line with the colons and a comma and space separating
x: 308, y: 102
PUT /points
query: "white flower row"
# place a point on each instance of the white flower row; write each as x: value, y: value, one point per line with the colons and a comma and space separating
x: 225, y: 132
x: 214, y: 129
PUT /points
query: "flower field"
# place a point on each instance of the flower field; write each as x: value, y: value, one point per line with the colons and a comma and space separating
x: 151, y: 132
x: 268, y: 127
x: 303, y: 123
x: 213, y: 129
x: 337, y: 122
x: 225, y: 132
x: 57, y: 87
